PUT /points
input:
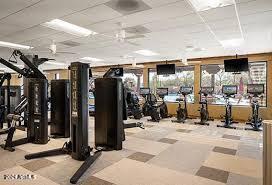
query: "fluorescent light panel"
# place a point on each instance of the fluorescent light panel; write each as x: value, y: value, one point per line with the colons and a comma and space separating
x: 232, y: 43
x: 13, y: 45
x: 67, y: 27
x: 146, y: 52
x: 92, y: 59
x: 203, y: 5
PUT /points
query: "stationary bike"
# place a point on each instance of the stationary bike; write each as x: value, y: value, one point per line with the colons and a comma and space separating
x: 133, y: 106
x: 228, y: 91
x: 204, y: 113
x: 162, y: 92
x: 255, y: 121
x: 182, y: 112
x: 150, y: 107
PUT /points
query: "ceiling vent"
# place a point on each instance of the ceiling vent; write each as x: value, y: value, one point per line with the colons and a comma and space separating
x: 126, y: 7
x: 138, y: 30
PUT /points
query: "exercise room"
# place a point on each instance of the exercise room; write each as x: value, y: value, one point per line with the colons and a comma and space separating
x: 136, y: 92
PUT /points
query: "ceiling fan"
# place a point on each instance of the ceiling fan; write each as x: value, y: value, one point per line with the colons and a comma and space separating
x: 52, y: 49
x: 121, y: 35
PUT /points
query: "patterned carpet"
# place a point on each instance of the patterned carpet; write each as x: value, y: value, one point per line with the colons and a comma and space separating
x: 163, y: 153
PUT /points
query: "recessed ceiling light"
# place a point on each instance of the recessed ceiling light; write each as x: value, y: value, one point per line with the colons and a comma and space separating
x: 203, y: 5
x: 13, y: 45
x: 146, y: 52
x: 55, y: 63
x: 67, y: 27
x: 232, y: 43
x: 92, y: 59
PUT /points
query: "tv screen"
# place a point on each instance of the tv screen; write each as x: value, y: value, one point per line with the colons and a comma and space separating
x: 144, y: 91
x: 229, y: 89
x: 162, y: 91
x: 236, y: 65
x: 165, y: 69
x: 255, y: 88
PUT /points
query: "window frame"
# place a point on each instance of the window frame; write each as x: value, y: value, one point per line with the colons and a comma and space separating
x: 193, y: 66
x: 266, y: 77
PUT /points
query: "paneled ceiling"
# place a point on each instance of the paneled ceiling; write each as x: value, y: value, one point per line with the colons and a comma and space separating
x: 167, y: 27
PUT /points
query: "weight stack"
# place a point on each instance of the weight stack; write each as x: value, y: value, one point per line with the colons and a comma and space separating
x: 37, y: 111
x: 60, y: 108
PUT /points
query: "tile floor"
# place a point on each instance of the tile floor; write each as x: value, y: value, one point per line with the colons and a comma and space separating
x: 163, y: 153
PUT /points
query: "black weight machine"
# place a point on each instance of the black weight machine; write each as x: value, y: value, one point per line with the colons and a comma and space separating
x: 255, y: 121
x: 162, y: 92
x: 204, y: 112
x: 182, y: 112
x: 109, y: 116
x: 228, y: 91
x: 4, y: 109
x: 37, y: 115
x: 150, y: 107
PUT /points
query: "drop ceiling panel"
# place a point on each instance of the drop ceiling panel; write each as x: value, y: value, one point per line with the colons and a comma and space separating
x: 254, y: 7
x: 219, y: 13
x: 157, y: 14
x: 176, y: 22
x: 10, y: 6
x: 7, y: 29
x: 223, y: 24
x: 78, y: 19
x: 29, y: 34
x: 101, y: 13
x: 258, y: 18
x: 157, y: 3
x: 61, y: 36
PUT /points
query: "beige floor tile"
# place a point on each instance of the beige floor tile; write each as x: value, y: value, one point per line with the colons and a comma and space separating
x: 154, y: 133
x: 145, y: 174
x: 178, y: 125
x: 11, y: 159
x: 201, y: 139
x: 235, y: 164
x: 235, y: 179
x: 95, y: 181
x: 22, y: 171
x: 115, y: 156
x: 146, y: 146
x: 182, y: 156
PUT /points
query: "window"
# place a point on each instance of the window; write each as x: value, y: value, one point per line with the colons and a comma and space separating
x: 133, y: 79
x: 215, y: 76
x: 184, y: 77
x: 57, y: 76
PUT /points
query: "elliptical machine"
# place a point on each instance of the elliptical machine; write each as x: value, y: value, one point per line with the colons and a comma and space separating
x: 182, y: 112
x: 150, y: 107
x: 255, y: 121
x: 204, y: 113
x: 162, y: 92
x: 228, y: 91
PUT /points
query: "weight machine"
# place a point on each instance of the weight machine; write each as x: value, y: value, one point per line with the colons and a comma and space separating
x: 4, y: 109
x: 37, y: 117
x: 182, y: 112
x: 255, y: 121
x: 109, y: 116
x: 204, y: 112
x: 228, y: 91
